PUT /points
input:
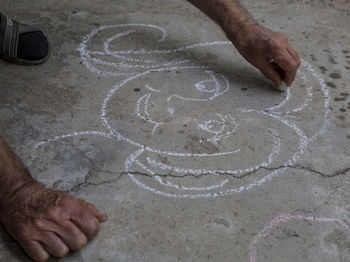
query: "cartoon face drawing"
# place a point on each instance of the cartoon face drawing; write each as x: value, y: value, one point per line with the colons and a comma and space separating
x: 195, y: 134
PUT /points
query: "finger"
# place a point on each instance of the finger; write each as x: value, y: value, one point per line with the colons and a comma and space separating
x: 289, y: 65
x: 35, y: 250
x: 72, y: 236
x: 294, y: 54
x: 100, y: 216
x: 86, y: 222
x: 270, y: 72
x: 54, y: 245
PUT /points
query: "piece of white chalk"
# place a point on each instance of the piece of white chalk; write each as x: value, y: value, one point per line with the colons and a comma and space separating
x: 283, y: 87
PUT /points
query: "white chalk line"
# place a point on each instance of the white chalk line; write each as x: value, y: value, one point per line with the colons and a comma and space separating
x: 202, y: 88
x: 102, y: 62
x: 120, y: 136
x: 306, y: 103
x: 217, y: 92
x: 171, y: 51
x: 308, y: 99
x: 151, y: 89
x: 180, y: 187
x: 158, y: 151
x: 115, y: 134
x: 326, y: 101
x: 75, y: 134
x: 108, y: 52
x: 302, y: 147
x: 271, y: 157
x: 146, y: 116
x: 209, y: 195
x: 284, y: 218
x: 219, y: 135
x: 279, y: 106
x: 185, y: 188
x: 86, y: 54
x: 128, y: 59
x: 132, y: 158
x: 303, y: 138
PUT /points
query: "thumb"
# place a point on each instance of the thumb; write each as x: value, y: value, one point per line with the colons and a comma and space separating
x: 100, y: 216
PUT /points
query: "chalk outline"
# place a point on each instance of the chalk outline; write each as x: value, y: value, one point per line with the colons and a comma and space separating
x: 147, y: 117
x: 282, y: 219
x: 85, y: 55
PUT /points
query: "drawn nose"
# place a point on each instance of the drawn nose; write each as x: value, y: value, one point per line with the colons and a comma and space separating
x: 221, y: 128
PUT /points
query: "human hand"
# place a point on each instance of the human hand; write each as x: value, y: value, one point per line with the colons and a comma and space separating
x: 50, y: 223
x: 268, y: 51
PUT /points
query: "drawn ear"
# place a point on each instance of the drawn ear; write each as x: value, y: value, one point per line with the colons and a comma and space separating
x: 125, y: 49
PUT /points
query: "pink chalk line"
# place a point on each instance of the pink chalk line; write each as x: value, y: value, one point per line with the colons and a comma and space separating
x: 284, y: 218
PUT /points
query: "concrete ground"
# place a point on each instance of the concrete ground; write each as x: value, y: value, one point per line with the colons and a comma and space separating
x: 146, y: 111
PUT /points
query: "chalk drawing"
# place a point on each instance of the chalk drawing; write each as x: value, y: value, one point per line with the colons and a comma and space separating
x: 264, y: 233
x: 219, y: 130
x: 145, y: 115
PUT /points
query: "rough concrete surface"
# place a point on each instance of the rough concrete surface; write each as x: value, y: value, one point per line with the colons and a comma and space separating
x: 146, y: 111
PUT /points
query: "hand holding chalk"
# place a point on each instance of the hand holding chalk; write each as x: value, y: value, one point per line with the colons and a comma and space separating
x: 268, y: 51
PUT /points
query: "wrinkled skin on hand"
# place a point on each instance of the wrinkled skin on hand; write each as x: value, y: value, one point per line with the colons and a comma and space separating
x: 260, y: 46
x: 50, y: 223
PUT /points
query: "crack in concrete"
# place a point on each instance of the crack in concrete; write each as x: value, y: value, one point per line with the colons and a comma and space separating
x: 120, y: 174
x: 337, y: 173
x: 165, y: 175
x: 87, y: 183
x: 239, y: 176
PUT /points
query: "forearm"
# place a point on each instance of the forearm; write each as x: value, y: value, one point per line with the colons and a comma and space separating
x: 229, y: 14
x: 13, y: 177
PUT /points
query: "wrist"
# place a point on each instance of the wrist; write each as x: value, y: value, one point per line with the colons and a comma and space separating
x: 242, y: 34
x: 17, y: 192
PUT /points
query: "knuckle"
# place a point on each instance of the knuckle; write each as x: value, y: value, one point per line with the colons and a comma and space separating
x: 274, y: 44
x: 278, y: 42
x: 294, y: 65
x: 65, y: 224
x: 67, y: 201
x: 283, y: 38
x: 38, y: 223
x: 52, y: 213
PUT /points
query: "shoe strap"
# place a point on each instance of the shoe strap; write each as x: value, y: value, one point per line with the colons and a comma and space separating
x: 9, y: 34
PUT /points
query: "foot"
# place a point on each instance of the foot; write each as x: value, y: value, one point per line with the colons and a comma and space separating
x: 49, y: 223
x: 32, y: 45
